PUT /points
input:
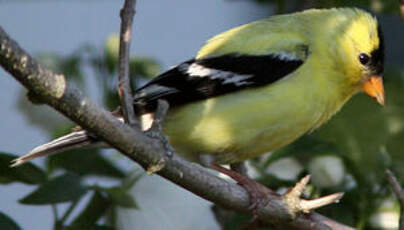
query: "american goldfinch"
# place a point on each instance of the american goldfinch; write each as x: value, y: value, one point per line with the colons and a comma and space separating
x: 260, y: 86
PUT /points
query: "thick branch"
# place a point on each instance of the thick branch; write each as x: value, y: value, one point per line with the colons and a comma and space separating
x: 396, y: 187
x: 124, y: 89
x: 52, y: 89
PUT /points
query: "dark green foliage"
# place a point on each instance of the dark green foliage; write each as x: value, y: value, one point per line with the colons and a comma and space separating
x: 7, y: 223
x: 77, y: 164
x: 67, y: 187
x: 94, y: 211
x: 27, y: 173
x: 121, y: 197
x: 86, y: 162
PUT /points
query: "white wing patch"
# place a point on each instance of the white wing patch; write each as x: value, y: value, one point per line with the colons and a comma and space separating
x: 196, y: 70
x: 286, y: 56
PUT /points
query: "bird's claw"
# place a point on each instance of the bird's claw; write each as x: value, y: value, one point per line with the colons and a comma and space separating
x: 155, y: 130
x: 258, y: 193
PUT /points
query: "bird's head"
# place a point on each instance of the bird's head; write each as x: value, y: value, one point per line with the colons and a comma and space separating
x: 363, y: 54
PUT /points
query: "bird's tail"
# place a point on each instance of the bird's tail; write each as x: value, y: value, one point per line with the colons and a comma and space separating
x: 79, y: 138
x: 73, y: 140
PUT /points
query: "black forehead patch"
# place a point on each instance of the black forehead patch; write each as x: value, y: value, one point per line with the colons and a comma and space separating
x: 377, y: 62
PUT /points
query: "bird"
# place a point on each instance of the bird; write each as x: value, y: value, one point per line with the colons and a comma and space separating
x: 258, y: 87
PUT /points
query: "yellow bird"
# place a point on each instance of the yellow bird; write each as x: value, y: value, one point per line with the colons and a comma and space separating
x: 260, y: 86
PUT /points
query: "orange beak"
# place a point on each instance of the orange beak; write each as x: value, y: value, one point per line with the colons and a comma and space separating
x: 373, y: 87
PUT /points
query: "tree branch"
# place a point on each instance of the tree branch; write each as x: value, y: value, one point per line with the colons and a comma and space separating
x: 124, y: 88
x: 398, y: 191
x: 51, y: 88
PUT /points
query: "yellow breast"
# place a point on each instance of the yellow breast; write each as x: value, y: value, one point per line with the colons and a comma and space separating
x: 248, y: 123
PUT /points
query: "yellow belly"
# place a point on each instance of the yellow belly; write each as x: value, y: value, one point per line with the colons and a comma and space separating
x: 245, y: 124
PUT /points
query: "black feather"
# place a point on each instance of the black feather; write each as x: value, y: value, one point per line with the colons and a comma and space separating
x: 230, y: 73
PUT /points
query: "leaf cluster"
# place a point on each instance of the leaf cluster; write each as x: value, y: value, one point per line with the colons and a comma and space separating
x: 76, y: 177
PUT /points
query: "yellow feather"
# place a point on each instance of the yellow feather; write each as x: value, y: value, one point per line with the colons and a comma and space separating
x: 247, y: 123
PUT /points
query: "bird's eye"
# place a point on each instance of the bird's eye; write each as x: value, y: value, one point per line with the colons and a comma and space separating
x: 364, y: 58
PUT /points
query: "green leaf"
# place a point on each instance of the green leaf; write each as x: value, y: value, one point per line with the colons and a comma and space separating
x: 121, y: 197
x: 95, y: 209
x: 27, y: 173
x: 63, y: 188
x: 7, y: 223
x: 86, y: 162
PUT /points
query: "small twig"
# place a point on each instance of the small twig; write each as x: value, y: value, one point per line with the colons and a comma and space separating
x: 124, y: 88
x: 395, y: 186
x: 300, y: 186
x: 397, y: 189
x: 307, y: 205
x: 292, y: 197
x: 296, y: 204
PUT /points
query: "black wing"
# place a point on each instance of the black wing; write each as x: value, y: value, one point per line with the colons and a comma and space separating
x: 199, y: 79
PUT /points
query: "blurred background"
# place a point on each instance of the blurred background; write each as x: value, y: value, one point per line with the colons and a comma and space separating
x: 100, y: 189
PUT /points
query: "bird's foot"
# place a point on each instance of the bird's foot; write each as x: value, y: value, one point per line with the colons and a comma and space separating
x: 155, y: 130
x: 259, y: 194
x: 296, y: 204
